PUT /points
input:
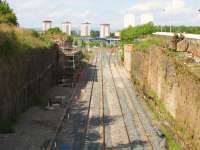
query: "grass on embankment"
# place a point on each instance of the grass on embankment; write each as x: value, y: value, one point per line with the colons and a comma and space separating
x: 145, y: 43
x: 15, y: 40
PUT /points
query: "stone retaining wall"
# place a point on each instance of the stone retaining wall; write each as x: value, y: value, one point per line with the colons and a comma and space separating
x: 174, y: 84
x: 23, y: 79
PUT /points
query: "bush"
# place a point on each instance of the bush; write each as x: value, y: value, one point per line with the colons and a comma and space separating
x: 6, y: 14
x: 128, y: 34
x: 56, y: 34
x: 147, y: 42
x: 14, y: 40
x: 35, y: 33
x: 55, y: 30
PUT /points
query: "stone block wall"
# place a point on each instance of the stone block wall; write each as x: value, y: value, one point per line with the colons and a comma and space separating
x: 174, y: 84
x: 24, y: 78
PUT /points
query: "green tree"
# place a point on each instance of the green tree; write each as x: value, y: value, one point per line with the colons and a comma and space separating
x: 6, y: 14
x: 128, y: 34
x: 55, y: 30
x: 95, y: 34
x: 74, y: 33
x: 112, y: 34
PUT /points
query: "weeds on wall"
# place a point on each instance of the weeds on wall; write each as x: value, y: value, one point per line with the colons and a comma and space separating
x: 159, y: 113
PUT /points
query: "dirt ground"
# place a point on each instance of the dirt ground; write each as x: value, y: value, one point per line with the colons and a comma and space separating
x: 37, y: 125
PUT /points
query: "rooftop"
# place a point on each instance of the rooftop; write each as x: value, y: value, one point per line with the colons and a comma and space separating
x: 86, y: 23
x: 186, y: 35
x: 105, y: 24
x: 47, y: 21
x: 67, y: 22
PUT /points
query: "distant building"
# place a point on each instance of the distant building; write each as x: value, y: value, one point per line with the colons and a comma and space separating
x: 66, y: 27
x: 47, y: 25
x: 129, y: 20
x: 85, y: 29
x: 146, y: 18
x: 104, y: 30
x: 117, y: 34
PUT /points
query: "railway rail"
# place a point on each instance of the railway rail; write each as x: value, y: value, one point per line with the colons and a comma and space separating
x: 52, y: 144
x: 133, y: 109
x: 130, y: 112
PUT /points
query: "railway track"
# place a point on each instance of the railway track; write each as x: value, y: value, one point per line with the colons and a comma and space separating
x: 102, y: 114
x: 101, y: 124
x: 121, y: 109
x: 100, y: 93
x: 133, y: 109
x: 148, y: 130
x: 65, y: 116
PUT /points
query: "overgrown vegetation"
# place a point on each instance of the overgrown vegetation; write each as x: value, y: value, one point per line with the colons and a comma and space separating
x: 6, y: 14
x: 129, y: 34
x: 15, y: 40
x: 160, y: 114
x: 95, y: 33
x: 181, y: 29
x: 157, y: 108
x: 145, y: 43
x: 56, y: 34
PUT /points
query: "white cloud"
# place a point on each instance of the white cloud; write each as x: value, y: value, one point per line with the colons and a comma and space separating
x: 144, y: 6
x: 146, y: 18
x: 129, y: 20
x: 176, y: 7
x: 180, y: 11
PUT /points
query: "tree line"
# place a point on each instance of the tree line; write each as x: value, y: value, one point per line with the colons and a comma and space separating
x: 130, y: 33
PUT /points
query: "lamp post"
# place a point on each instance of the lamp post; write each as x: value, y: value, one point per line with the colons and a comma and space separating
x: 161, y: 24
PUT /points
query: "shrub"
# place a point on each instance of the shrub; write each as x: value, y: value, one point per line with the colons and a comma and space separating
x: 14, y: 40
x: 127, y: 35
x: 6, y: 14
x: 56, y: 34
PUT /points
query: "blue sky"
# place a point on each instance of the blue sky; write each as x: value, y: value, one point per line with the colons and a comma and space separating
x: 31, y: 13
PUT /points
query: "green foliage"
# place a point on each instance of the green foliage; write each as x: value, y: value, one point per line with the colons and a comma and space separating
x: 112, y: 34
x: 181, y: 29
x: 7, y: 126
x: 35, y: 33
x: 56, y: 34
x: 162, y: 114
x: 95, y: 43
x: 172, y: 145
x: 144, y: 44
x: 55, y: 30
x: 83, y: 43
x: 6, y: 14
x: 95, y: 34
x: 14, y: 40
x: 74, y: 33
x: 128, y: 34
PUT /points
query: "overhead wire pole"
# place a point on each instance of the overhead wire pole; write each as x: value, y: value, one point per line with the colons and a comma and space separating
x: 161, y: 23
x: 171, y: 16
